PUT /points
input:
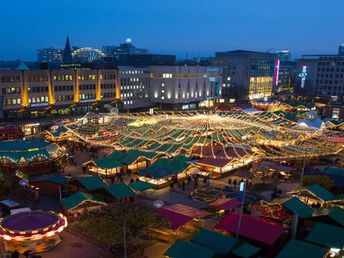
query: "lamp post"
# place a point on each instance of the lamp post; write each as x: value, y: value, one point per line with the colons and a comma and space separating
x: 242, y: 197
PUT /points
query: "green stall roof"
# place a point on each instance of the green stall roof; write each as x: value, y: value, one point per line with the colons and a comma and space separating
x: 246, y: 250
x: 215, y: 241
x: 141, y: 186
x: 120, y: 191
x: 91, y: 183
x: 335, y: 213
x: 183, y: 249
x: 327, y: 235
x: 321, y: 192
x: 298, y: 248
x: 298, y: 207
x: 78, y: 198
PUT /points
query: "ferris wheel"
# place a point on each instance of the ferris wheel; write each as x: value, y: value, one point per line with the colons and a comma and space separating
x: 87, y: 54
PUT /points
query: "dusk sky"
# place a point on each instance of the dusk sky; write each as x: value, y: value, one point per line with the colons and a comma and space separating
x: 196, y: 27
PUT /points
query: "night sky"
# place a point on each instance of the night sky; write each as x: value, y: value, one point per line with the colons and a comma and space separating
x: 196, y: 27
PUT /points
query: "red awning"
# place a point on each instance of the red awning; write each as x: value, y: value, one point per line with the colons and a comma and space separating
x: 252, y: 228
x: 176, y: 219
x: 225, y: 204
x: 186, y: 210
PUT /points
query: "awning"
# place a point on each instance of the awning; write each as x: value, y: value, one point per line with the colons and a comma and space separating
x: 253, y: 228
x: 182, y: 249
x: 141, y: 186
x: 176, y: 219
x: 225, y: 204
x: 298, y: 248
x: 327, y: 235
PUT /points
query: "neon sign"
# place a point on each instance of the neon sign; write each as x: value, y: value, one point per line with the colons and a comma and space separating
x: 276, y: 72
x: 303, y: 76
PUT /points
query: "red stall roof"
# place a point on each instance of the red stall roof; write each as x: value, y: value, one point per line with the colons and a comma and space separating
x: 225, y: 204
x: 176, y: 219
x: 252, y: 228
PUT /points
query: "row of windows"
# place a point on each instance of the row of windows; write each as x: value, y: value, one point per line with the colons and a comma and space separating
x: 330, y: 70
x: 64, y: 88
x: 108, y: 76
x: 131, y: 72
x: 10, y: 78
x: 12, y: 90
x: 8, y: 102
x: 65, y: 98
x: 87, y: 87
x: 38, y: 100
x: 63, y: 77
x: 132, y: 87
x: 38, y: 78
x: 330, y: 81
x: 335, y: 88
x: 87, y: 96
x: 128, y: 81
x: 37, y: 89
x: 326, y: 75
x: 107, y: 86
x: 108, y: 95
x: 87, y: 77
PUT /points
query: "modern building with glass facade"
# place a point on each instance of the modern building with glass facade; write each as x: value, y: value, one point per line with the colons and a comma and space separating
x: 246, y: 74
x: 50, y: 55
x: 134, y: 83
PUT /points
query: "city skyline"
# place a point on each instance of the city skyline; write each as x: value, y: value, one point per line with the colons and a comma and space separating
x: 201, y: 29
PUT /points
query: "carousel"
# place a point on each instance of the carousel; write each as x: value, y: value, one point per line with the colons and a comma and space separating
x: 34, y: 231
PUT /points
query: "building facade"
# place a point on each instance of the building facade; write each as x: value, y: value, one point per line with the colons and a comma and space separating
x: 321, y: 76
x: 246, y: 74
x: 134, y: 84
x: 184, y: 87
x: 50, y: 55
x: 34, y: 93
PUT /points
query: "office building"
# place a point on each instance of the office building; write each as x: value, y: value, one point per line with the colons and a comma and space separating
x: 134, y: 85
x: 50, y: 55
x: 34, y: 93
x: 341, y: 50
x: 246, y: 74
x: 184, y: 87
x: 283, y: 55
x: 321, y: 76
x: 126, y: 48
x: 147, y: 60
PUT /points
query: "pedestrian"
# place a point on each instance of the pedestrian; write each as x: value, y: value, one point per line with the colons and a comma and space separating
x: 183, y: 185
x: 189, y: 179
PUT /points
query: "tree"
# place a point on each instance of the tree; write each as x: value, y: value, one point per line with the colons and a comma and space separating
x: 324, y: 181
x: 106, y: 225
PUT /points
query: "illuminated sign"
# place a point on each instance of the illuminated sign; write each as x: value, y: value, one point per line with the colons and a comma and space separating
x: 276, y: 72
x: 40, y: 104
x: 303, y: 76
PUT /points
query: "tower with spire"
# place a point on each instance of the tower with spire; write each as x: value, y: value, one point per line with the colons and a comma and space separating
x: 67, y: 54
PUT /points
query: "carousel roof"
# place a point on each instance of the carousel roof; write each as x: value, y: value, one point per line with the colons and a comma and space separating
x: 217, y: 135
